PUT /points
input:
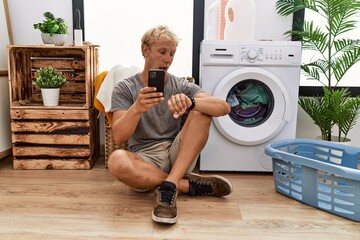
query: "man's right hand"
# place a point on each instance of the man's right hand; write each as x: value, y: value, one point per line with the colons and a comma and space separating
x: 148, y: 98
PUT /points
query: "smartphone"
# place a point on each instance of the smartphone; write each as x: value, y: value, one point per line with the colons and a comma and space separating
x: 157, y: 79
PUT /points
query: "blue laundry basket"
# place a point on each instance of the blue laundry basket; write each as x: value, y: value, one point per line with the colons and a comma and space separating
x: 322, y: 174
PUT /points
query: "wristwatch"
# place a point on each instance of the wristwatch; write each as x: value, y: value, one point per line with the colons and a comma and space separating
x: 192, y: 103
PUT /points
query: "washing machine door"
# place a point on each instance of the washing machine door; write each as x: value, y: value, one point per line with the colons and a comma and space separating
x: 259, y: 103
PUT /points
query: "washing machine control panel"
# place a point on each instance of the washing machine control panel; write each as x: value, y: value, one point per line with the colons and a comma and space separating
x: 257, y: 53
x: 272, y: 55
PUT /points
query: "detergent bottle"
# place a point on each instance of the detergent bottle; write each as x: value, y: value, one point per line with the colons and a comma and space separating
x: 212, y: 21
x: 239, y: 20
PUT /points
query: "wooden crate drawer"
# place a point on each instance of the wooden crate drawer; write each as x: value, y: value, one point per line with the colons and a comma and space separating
x: 54, y: 152
x: 78, y: 64
x: 48, y: 113
x: 63, y: 139
x: 59, y: 164
x: 54, y: 138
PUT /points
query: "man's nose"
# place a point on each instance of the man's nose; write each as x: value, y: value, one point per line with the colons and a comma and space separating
x: 168, y: 58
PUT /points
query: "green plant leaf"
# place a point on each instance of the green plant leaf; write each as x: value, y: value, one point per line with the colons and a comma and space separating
x: 49, y: 78
x: 332, y: 57
x: 52, y: 25
x: 319, y: 110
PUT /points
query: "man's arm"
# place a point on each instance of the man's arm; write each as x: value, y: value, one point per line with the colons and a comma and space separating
x: 215, y: 107
x: 125, y: 121
x: 124, y: 124
x: 212, y: 106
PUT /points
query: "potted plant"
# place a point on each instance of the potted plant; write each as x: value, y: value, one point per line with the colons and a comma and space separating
x: 332, y: 57
x: 50, y: 80
x: 54, y: 30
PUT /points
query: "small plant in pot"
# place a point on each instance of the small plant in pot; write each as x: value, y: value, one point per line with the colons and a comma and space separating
x: 54, y: 30
x: 332, y: 57
x: 50, y: 80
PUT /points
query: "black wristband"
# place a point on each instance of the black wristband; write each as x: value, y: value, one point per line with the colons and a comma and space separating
x: 192, y: 103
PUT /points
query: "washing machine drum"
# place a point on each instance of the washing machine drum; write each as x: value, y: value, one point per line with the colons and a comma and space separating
x: 251, y: 103
x: 259, y: 106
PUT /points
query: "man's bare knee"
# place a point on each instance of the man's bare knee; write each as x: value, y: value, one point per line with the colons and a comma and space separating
x: 116, y: 163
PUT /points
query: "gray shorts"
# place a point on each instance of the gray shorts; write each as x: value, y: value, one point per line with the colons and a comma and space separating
x: 163, y: 154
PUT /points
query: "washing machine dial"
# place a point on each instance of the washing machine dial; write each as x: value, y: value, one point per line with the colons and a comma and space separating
x: 252, y: 54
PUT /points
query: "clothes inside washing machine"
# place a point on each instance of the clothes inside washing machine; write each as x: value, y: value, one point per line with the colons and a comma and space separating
x: 251, y: 103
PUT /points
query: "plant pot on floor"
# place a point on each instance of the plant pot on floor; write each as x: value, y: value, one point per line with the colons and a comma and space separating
x: 50, y: 96
x: 57, y: 39
x: 335, y: 139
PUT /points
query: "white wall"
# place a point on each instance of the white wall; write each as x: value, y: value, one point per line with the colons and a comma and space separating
x: 119, y: 31
x: 5, y: 134
x: 28, y: 12
x: 24, y: 14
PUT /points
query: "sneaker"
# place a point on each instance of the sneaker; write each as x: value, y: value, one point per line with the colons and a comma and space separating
x: 165, y: 203
x: 213, y: 185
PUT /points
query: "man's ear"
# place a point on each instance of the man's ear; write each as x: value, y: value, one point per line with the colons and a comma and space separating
x: 145, y: 50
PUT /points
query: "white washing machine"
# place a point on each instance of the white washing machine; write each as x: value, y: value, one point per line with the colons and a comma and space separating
x: 260, y: 81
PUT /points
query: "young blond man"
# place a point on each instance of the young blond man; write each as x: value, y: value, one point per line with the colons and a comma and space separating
x: 162, y: 156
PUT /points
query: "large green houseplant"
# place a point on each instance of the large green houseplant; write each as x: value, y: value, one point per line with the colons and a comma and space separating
x: 332, y: 57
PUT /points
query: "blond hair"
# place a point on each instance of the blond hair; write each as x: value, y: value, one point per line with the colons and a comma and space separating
x: 158, y: 33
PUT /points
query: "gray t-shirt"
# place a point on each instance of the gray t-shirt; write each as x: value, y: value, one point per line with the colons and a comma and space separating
x: 157, y: 124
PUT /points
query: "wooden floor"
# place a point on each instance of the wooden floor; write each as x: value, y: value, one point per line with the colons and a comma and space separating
x: 91, y: 204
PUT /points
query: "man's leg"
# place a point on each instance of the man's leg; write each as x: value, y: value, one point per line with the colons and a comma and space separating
x: 194, y: 135
x: 133, y: 171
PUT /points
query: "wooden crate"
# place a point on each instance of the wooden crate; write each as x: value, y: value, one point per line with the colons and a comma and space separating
x: 78, y: 64
x: 61, y: 137
x: 54, y: 138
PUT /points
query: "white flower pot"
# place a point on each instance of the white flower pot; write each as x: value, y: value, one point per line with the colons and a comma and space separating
x: 334, y: 139
x: 50, y: 96
x: 57, y: 39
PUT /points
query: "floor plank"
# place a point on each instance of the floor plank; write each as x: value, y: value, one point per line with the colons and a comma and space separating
x: 91, y: 204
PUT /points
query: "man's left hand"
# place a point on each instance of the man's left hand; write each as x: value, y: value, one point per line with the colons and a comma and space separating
x: 178, y: 104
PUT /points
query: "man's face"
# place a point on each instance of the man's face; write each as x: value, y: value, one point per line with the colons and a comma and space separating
x: 160, y: 54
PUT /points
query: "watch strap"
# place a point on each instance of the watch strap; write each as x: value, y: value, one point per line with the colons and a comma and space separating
x: 192, y: 103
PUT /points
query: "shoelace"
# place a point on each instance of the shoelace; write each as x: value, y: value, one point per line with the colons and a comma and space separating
x: 167, y: 195
x: 200, y: 188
